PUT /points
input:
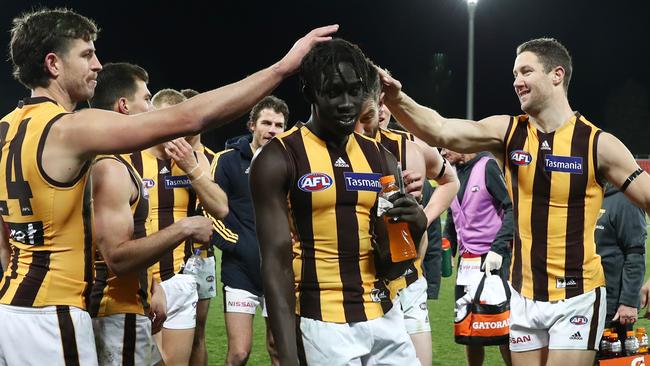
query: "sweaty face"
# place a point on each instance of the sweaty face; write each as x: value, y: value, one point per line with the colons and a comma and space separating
x: 384, y: 113
x: 78, y: 70
x: 532, y: 85
x: 141, y: 100
x: 338, y: 103
x: 369, y: 118
x: 268, y: 124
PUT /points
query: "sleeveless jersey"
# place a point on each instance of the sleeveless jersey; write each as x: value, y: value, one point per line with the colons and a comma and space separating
x: 49, y: 222
x: 556, y: 196
x: 332, y: 211
x: 127, y: 294
x: 395, y: 142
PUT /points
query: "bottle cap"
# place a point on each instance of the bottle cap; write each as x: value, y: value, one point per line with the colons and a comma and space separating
x: 197, y: 251
x: 640, y: 330
x: 387, y: 179
x: 445, y: 243
x: 614, y: 336
x: 607, y: 333
x: 630, y: 333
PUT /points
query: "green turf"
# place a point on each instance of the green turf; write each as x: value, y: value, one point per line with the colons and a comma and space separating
x: 445, y: 351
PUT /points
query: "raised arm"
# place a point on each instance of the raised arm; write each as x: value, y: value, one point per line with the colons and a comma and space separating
x: 113, y: 223
x: 86, y: 132
x: 197, y: 168
x: 269, y: 178
x: 441, y: 171
x: 617, y: 165
x: 456, y: 134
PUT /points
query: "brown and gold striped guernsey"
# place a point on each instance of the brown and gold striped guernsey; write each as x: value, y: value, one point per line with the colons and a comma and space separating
x: 332, y: 209
x: 127, y: 294
x: 190, y: 245
x: 395, y: 142
x: 556, y: 196
x: 170, y: 199
x: 49, y: 222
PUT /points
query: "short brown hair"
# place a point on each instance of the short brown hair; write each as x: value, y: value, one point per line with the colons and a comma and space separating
x: 551, y: 53
x: 269, y: 102
x: 167, y: 96
x: 189, y: 93
x: 115, y: 81
x: 37, y: 33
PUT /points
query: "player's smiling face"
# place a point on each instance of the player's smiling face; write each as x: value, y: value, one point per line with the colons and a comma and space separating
x: 338, y: 103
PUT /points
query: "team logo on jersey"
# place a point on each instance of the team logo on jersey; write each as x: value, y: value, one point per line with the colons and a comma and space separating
x: 564, y: 164
x: 378, y: 295
x: 579, y: 320
x: 520, y: 158
x: 28, y: 233
x: 362, y: 181
x: 148, y: 183
x: 565, y: 282
x: 177, y: 181
x: 314, y: 182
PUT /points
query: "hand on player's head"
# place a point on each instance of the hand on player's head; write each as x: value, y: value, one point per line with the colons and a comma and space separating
x: 291, y: 61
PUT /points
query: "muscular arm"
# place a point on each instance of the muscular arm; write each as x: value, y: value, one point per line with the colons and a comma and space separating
x: 616, y: 163
x: 269, y: 177
x: 497, y: 188
x: 113, y: 223
x: 455, y: 134
x: 78, y: 137
x: 448, y: 184
x: 195, y: 164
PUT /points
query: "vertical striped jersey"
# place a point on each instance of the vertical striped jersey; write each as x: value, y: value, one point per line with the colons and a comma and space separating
x: 395, y: 142
x: 127, y: 294
x: 556, y: 196
x: 170, y: 199
x: 49, y: 222
x: 332, y: 211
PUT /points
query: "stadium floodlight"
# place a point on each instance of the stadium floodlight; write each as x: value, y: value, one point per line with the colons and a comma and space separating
x: 471, y: 9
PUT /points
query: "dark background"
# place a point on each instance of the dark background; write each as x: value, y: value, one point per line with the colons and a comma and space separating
x: 202, y: 45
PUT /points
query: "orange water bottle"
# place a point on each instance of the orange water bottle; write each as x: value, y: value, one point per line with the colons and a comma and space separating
x: 402, y: 246
x: 642, y: 336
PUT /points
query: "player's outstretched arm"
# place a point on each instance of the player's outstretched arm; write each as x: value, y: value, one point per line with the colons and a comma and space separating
x: 113, y: 223
x: 455, y: 134
x: 91, y: 132
x: 269, y: 179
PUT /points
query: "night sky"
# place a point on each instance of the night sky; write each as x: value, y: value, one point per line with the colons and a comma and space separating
x: 202, y: 45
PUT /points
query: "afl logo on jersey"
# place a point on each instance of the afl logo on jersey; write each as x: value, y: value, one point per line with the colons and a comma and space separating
x: 520, y: 157
x: 314, y: 182
x: 148, y: 183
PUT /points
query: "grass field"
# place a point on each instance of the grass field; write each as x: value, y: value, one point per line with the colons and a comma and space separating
x: 445, y: 350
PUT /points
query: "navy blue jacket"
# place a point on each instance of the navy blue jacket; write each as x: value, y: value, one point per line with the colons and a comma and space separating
x: 235, y: 234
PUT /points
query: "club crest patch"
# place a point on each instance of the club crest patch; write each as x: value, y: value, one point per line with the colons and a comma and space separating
x: 564, y: 164
x: 314, y: 182
x: 148, y: 183
x: 362, y: 181
x: 520, y: 157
